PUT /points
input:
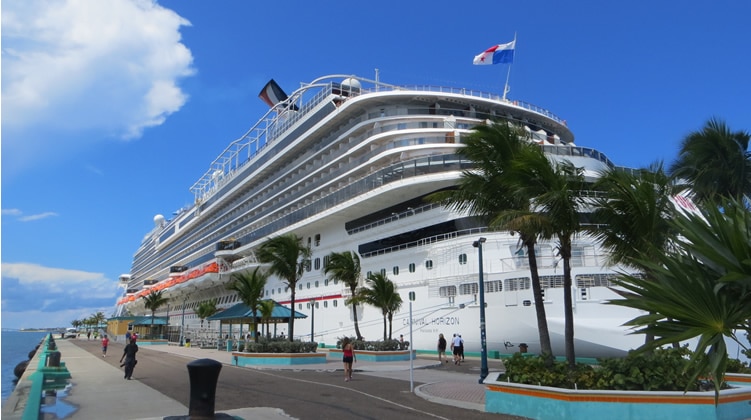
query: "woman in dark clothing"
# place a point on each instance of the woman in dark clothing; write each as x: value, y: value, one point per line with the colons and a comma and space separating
x: 129, y: 354
x: 442, y: 349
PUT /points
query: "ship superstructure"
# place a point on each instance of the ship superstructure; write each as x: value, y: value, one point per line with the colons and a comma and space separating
x: 345, y: 163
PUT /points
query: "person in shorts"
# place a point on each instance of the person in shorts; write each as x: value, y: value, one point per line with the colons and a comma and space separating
x: 348, y: 357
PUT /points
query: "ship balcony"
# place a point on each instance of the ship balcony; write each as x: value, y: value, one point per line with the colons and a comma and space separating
x: 149, y: 283
x: 177, y: 270
x: 228, y: 249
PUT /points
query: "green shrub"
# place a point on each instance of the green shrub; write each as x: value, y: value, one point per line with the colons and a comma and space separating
x: 279, y: 346
x: 387, y: 345
x: 661, y: 370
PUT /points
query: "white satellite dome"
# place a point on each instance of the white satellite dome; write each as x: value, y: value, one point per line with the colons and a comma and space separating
x: 351, y: 82
x: 158, y: 220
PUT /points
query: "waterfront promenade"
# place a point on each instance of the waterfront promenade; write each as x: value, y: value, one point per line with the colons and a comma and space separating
x: 160, y: 387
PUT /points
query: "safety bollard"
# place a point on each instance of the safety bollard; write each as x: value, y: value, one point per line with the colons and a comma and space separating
x: 204, y: 374
x: 53, y: 359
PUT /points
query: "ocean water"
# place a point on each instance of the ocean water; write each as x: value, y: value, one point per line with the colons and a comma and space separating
x: 15, y: 349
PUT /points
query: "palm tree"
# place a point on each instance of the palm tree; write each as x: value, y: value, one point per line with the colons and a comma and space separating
x: 267, y: 310
x: 249, y: 288
x: 153, y: 301
x: 287, y: 257
x: 98, y: 318
x: 716, y: 163
x: 556, y: 188
x: 632, y: 216
x: 345, y: 267
x: 206, y: 309
x: 381, y: 293
x: 490, y: 190
x: 701, y: 289
x: 76, y: 323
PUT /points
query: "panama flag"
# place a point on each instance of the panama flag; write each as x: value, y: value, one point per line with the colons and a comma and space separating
x: 503, y: 53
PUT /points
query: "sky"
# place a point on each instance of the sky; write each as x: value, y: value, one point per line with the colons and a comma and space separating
x: 112, y: 109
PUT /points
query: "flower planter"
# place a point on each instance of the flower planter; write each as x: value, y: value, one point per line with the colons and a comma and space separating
x: 255, y: 359
x: 141, y: 342
x: 542, y: 403
x: 374, y: 356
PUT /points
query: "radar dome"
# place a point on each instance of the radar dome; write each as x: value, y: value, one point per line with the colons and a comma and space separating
x: 158, y: 220
x: 351, y: 82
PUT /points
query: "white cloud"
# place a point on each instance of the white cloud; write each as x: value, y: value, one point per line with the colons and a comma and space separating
x: 58, y: 283
x: 105, y: 68
x: 39, y: 296
x: 19, y: 214
x: 37, y: 216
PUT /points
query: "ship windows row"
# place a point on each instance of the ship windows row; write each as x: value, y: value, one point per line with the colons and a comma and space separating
x: 582, y: 281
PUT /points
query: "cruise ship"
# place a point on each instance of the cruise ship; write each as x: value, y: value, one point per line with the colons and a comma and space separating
x: 345, y: 162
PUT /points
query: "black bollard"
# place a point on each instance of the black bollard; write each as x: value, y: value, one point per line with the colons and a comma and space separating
x: 53, y: 359
x: 204, y: 374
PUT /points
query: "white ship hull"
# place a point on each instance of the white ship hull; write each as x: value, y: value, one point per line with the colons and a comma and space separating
x: 347, y: 172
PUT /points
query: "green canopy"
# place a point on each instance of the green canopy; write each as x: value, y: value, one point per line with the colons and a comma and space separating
x: 241, y: 313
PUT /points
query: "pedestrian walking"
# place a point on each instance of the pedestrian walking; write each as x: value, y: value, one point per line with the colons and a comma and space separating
x: 348, y: 357
x: 456, y: 349
x: 88, y: 335
x: 461, y: 347
x: 105, y: 343
x: 128, y: 359
x: 442, y: 349
x: 127, y: 337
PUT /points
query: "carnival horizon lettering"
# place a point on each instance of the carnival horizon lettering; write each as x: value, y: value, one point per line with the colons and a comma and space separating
x: 441, y: 320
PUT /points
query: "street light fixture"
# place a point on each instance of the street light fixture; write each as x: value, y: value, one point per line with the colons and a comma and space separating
x: 182, y: 322
x: 483, y: 338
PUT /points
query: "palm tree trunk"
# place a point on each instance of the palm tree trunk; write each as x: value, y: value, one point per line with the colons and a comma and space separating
x: 357, y: 325
x: 568, y: 310
x: 291, y: 324
x: 542, y: 321
x: 384, y: 327
x: 391, y: 324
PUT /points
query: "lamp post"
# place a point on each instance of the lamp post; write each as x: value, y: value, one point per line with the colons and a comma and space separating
x: 312, y: 319
x: 182, y: 323
x: 483, y: 339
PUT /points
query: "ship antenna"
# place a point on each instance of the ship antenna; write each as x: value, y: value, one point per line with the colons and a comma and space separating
x: 377, y: 79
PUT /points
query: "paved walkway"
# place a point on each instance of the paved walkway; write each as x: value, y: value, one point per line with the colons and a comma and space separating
x: 98, y: 389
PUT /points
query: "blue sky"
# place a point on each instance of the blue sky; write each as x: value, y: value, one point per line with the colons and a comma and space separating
x: 112, y: 109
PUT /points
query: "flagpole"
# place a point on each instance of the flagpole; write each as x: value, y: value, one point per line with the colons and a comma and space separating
x: 508, y: 73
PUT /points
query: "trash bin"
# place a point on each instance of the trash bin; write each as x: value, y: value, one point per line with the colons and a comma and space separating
x: 187, y: 342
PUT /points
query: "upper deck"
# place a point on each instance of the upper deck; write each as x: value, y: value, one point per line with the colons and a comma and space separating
x: 277, y: 122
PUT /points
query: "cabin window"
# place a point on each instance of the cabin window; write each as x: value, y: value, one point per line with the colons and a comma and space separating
x: 325, y: 303
x: 493, y: 286
x: 469, y: 289
x: 429, y: 264
x: 318, y: 239
x: 462, y: 259
x: 316, y: 283
x: 447, y: 291
x: 336, y: 303
x: 411, y: 267
x: 395, y: 270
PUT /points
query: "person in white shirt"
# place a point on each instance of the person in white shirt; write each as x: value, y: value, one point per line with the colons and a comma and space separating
x: 456, y: 348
